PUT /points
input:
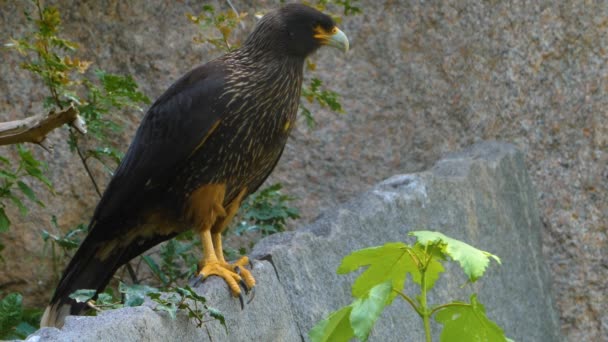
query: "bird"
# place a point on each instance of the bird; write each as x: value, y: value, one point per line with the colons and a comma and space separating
x: 210, y: 140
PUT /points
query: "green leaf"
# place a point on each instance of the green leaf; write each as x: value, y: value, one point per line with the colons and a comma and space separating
x: 7, y: 175
x: 155, y: 269
x: 434, y: 267
x: 390, y: 262
x: 366, y: 311
x: 472, y: 260
x: 135, y: 294
x: 17, y: 202
x: 82, y: 295
x: 4, y: 221
x: 335, y: 328
x: 27, y: 191
x: 217, y: 314
x: 11, y: 312
x: 468, y: 323
x: 169, y: 307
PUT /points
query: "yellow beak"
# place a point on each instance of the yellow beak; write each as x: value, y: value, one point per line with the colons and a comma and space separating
x: 335, y: 38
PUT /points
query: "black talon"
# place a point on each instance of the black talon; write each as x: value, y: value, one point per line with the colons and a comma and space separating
x: 242, y: 301
x: 196, y: 281
x: 243, y: 286
x: 252, y: 290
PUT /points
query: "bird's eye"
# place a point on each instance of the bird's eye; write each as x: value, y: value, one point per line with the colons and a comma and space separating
x: 334, y: 30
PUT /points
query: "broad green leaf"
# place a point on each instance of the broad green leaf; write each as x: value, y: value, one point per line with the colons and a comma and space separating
x: 82, y: 295
x: 468, y: 323
x: 135, y: 294
x: 4, y: 221
x: 390, y: 262
x: 472, y: 260
x: 335, y: 328
x: 433, y: 269
x: 366, y: 311
x: 11, y: 313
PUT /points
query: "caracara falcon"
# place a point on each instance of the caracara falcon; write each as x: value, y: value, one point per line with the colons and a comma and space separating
x: 207, y: 143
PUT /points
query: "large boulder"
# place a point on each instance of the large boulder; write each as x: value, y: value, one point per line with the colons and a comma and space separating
x: 482, y: 195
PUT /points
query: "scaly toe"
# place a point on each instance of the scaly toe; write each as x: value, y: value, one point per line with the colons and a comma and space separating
x: 219, y: 269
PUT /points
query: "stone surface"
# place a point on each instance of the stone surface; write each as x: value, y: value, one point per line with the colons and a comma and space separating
x: 482, y: 195
x: 422, y: 79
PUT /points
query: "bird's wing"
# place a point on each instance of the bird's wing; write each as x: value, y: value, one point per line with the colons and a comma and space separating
x: 172, y: 128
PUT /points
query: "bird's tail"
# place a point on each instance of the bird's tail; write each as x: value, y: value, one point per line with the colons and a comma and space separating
x: 91, y: 267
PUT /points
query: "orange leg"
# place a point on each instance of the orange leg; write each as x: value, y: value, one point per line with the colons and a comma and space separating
x: 216, y: 236
x: 206, y: 208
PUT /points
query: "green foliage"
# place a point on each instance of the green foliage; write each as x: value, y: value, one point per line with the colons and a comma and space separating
x: 14, y: 186
x: 175, y: 298
x: 52, y: 58
x: 336, y: 327
x: 185, y: 298
x: 314, y: 92
x: 176, y: 260
x: 224, y: 23
x: 366, y: 310
x: 16, y: 322
x: 384, y: 279
x: 266, y: 211
x: 472, y: 260
x: 468, y: 322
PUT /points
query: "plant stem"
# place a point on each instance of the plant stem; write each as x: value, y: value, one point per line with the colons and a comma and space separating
x: 409, y: 300
x: 443, y: 306
x: 423, y: 306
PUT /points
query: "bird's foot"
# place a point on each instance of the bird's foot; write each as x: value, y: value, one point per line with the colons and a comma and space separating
x: 233, y: 274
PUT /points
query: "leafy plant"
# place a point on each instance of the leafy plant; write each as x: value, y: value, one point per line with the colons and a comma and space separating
x: 17, y: 179
x: 174, y: 299
x: 266, y: 211
x: 17, y: 322
x: 384, y: 278
x: 61, y: 245
x: 176, y: 259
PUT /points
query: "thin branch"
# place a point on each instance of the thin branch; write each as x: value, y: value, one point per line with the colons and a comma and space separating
x: 34, y: 129
x: 409, y: 300
x: 443, y: 306
x: 84, y: 162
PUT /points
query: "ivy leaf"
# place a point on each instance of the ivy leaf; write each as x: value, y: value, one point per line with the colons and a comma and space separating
x: 82, y: 295
x: 335, y: 328
x: 472, y: 260
x: 217, y: 314
x: 135, y: 294
x: 366, y: 311
x: 390, y: 262
x: 11, y: 313
x: 4, y: 221
x: 468, y: 323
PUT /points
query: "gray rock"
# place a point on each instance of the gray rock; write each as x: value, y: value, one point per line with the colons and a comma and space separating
x: 482, y: 195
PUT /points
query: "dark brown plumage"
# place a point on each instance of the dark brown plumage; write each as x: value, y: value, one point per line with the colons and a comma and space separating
x: 209, y: 141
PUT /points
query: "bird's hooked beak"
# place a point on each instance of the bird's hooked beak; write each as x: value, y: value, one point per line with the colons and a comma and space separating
x: 335, y: 38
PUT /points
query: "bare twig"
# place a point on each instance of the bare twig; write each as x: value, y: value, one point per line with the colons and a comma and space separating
x: 34, y: 129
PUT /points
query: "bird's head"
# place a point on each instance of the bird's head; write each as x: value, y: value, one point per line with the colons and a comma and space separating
x: 297, y: 30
